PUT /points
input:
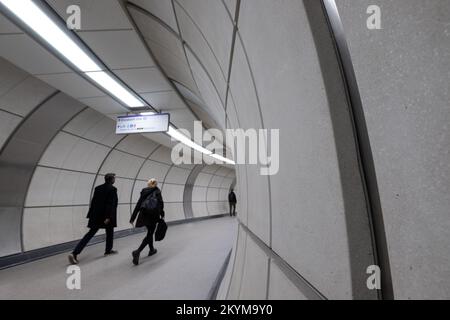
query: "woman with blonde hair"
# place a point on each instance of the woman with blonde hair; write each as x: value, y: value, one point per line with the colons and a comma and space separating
x: 149, y: 210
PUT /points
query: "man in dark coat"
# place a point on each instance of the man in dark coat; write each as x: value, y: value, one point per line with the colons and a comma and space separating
x: 232, y: 200
x: 147, y: 218
x: 102, y: 215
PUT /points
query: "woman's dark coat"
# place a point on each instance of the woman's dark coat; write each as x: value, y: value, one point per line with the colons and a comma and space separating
x: 103, y: 206
x: 147, y: 218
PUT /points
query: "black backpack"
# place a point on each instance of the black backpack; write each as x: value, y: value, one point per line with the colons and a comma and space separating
x: 151, y: 203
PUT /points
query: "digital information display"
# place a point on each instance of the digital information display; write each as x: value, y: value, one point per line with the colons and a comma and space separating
x: 143, y: 123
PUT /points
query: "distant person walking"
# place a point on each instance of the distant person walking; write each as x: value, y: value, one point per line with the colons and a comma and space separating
x: 232, y: 200
x: 149, y: 210
x: 102, y: 215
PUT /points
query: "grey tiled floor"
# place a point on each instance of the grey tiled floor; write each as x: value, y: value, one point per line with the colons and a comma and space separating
x: 185, y: 267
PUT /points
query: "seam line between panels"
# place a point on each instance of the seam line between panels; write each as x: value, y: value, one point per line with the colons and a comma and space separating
x: 120, y: 203
x: 265, y: 140
x: 303, y: 285
x: 207, y: 189
x: 165, y: 177
x: 203, y: 36
x: 8, y: 140
x: 126, y: 6
x: 24, y: 119
x: 105, y: 30
x: 182, y: 45
x: 234, y: 261
x: 17, y: 84
x: 207, y: 73
x: 220, y: 276
x: 117, y: 176
x: 86, y: 139
x: 268, y: 278
x: 244, y: 257
x: 11, y: 113
x: 230, y: 62
x: 189, y: 189
x: 185, y: 46
x: 118, y: 150
x: 39, y: 160
x: 103, y: 163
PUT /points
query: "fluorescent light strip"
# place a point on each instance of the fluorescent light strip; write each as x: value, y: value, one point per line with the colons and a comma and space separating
x: 45, y: 27
x: 220, y: 158
x: 174, y: 133
x: 116, y: 89
x: 36, y: 19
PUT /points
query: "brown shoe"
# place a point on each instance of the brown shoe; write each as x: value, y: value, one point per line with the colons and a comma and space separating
x: 73, y: 259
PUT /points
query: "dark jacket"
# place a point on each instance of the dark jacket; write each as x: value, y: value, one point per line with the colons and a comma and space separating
x: 103, y: 206
x: 232, y: 197
x: 147, y: 218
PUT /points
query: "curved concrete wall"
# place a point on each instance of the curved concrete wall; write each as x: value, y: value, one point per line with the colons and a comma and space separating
x: 403, y: 76
x: 65, y: 164
x: 312, y: 220
x: 295, y: 223
x: 210, y: 191
x: 307, y: 231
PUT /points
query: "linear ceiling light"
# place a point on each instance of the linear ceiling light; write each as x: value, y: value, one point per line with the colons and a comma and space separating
x: 223, y: 159
x: 115, y: 88
x: 177, y: 135
x: 39, y: 22
x: 58, y: 38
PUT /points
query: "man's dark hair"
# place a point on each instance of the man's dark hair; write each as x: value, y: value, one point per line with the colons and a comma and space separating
x: 109, y: 178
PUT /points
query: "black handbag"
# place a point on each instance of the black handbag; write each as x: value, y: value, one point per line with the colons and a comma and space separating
x: 161, y: 230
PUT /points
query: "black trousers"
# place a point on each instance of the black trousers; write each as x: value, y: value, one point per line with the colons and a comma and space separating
x: 88, y: 236
x: 148, y: 240
x: 232, y: 209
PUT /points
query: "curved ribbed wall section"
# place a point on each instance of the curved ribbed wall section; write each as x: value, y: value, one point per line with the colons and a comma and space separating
x: 51, y: 165
x: 265, y: 86
x: 312, y: 230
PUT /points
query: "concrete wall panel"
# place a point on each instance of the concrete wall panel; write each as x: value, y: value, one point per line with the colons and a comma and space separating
x: 403, y: 75
x: 36, y: 232
x: 281, y: 287
x: 8, y: 122
x: 22, y: 98
x: 254, y: 278
x: 174, y: 211
x: 200, y: 209
x: 122, y: 164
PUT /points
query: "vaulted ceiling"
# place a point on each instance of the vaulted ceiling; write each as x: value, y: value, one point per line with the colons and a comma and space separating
x: 149, y: 45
